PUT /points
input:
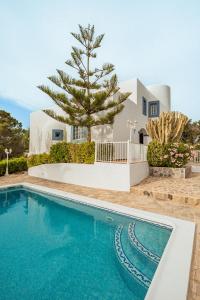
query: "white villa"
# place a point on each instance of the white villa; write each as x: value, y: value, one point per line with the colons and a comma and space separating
x: 144, y: 102
x: 117, y: 169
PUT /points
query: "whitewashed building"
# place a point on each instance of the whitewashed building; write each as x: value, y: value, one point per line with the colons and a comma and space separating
x: 144, y: 102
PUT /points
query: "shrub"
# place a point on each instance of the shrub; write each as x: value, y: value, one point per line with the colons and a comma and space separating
x: 2, y: 167
x: 73, y: 153
x: 64, y: 152
x: 14, y: 165
x: 84, y: 153
x: 155, y: 154
x: 175, y: 155
x: 38, y: 159
x: 197, y: 147
x: 59, y: 152
x: 178, y: 155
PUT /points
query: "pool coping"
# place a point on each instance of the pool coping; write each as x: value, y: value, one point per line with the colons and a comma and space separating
x: 171, y: 278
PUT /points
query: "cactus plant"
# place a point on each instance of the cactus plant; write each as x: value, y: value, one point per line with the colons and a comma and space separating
x: 168, y: 128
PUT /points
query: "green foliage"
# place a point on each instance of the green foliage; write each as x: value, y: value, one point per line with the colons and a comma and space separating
x: 59, y: 152
x: 38, y: 159
x: 91, y: 92
x: 73, y: 153
x: 86, y: 153
x: 178, y: 154
x: 15, y: 165
x: 12, y: 135
x: 174, y: 155
x: 197, y: 147
x: 155, y: 153
x: 191, y: 133
x: 64, y: 152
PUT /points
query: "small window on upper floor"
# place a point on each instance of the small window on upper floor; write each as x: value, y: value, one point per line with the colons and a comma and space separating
x: 154, y: 109
x: 144, y: 106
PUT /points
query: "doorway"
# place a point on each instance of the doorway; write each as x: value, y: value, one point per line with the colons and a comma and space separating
x: 141, y: 138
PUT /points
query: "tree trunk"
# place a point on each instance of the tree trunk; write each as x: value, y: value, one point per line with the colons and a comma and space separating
x: 89, y: 134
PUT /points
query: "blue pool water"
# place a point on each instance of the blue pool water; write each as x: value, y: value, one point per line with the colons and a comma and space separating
x: 73, y: 251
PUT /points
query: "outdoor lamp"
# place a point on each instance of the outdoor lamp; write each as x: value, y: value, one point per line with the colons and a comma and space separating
x: 7, y: 152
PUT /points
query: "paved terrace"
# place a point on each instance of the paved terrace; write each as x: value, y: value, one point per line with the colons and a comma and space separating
x: 179, y: 190
x: 173, y: 197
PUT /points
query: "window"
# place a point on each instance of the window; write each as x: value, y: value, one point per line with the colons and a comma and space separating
x: 57, y: 134
x: 144, y: 106
x: 79, y: 133
x: 154, y: 109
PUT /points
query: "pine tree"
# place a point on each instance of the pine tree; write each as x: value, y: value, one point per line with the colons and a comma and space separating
x: 93, y: 98
x: 12, y: 135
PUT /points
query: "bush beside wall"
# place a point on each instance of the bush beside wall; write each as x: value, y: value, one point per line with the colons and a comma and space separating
x: 173, y: 155
x: 197, y: 147
x: 15, y: 165
x: 38, y: 159
x: 64, y: 152
x: 73, y: 153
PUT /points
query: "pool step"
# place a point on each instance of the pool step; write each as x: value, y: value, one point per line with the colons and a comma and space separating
x: 137, y: 258
x: 139, y: 246
x: 125, y: 261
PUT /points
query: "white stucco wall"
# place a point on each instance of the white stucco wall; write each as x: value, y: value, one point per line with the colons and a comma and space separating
x: 138, y: 172
x: 110, y: 176
x: 41, y: 125
x: 133, y: 109
x: 163, y: 94
x: 99, y: 175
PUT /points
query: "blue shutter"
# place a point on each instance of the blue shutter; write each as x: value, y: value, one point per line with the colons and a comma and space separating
x: 144, y: 106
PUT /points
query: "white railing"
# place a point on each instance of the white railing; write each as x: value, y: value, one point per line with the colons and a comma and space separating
x: 120, y: 152
x: 196, y: 156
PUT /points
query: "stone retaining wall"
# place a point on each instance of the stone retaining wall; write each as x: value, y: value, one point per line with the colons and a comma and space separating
x: 170, y: 172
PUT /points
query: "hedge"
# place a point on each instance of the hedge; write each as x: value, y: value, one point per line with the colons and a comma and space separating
x: 174, y: 155
x: 64, y: 152
x: 73, y: 153
x: 38, y: 159
x: 14, y: 165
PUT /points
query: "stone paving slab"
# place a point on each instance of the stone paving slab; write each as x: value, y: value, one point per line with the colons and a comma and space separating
x: 186, y: 191
x: 175, y: 207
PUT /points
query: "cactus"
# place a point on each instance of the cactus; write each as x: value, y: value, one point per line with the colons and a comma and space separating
x: 168, y: 128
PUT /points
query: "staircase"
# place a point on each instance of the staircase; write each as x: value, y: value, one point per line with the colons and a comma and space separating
x: 137, y: 263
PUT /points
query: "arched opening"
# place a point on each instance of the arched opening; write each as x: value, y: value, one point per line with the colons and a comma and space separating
x: 142, y: 136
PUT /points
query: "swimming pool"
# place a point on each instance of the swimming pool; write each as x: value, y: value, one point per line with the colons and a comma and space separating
x: 57, y: 249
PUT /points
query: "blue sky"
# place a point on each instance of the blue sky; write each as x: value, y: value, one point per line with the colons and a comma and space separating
x: 156, y: 41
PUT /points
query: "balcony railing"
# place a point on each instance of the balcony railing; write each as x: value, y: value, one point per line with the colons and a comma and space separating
x: 196, y: 156
x: 120, y: 152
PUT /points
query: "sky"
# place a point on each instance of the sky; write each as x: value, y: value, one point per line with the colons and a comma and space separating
x: 156, y: 41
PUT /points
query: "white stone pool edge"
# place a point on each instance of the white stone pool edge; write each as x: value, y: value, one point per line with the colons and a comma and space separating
x: 171, y: 278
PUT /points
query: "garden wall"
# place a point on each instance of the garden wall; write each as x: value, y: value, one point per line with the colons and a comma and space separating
x: 111, y: 176
x: 170, y: 172
x: 138, y: 172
